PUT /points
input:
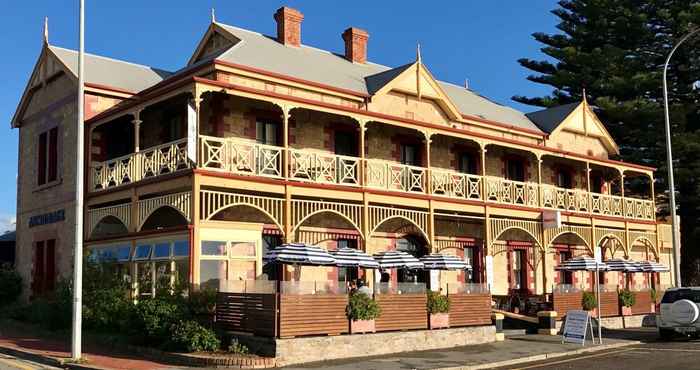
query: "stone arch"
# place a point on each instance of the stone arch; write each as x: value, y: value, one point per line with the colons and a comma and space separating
x: 401, y: 217
x: 331, y: 211
x: 174, y: 217
x: 248, y: 205
x: 109, y: 225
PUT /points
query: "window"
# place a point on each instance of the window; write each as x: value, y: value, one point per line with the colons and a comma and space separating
x: 213, y: 248
x: 270, y: 270
x: 267, y: 133
x: 515, y: 170
x: 565, y: 277
x: 44, y: 276
x: 227, y: 260
x: 161, y: 251
x: 211, y: 273
x: 47, y: 163
x: 519, y: 270
x: 347, y: 243
x: 142, y: 252
x: 564, y: 179
x: 469, y: 257
x: 345, y: 143
x: 597, y: 184
x: 410, y: 154
x: 467, y: 163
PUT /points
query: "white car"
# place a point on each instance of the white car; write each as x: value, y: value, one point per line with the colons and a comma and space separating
x: 679, y: 313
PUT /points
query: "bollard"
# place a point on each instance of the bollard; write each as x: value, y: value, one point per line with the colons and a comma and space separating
x: 497, y: 319
x: 547, y: 322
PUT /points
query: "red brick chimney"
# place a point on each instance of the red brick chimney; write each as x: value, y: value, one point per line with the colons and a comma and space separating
x: 289, y: 26
x: 356, y: 44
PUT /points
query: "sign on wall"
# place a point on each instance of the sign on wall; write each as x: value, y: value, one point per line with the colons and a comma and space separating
x: 489, y: 271
x: 47, y: 218
x: 551, y: 219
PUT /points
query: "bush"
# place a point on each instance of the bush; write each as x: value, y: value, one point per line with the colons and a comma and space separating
x: 438, y: 303
x: 190, y: 336
x: 237, y: 348
x: 153, y: 319
x: 627, y: 298
x: 106, y: 302
x: 52, y: 311
x: 654, y: 295
x: 10, y: 285
x: 588, y: 301
x: 362, y: 307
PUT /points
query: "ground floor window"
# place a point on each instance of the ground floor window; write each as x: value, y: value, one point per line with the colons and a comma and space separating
x: 223, y: 260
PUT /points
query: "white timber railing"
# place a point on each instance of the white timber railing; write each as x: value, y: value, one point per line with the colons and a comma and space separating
x: 325, y: 168
x: 606, y: 205
x: 151, y: 162
x: 505, y: 191
x: 240, y: 156
x: 388, y: 175
x: 455, y: 184
x: 554, y: 197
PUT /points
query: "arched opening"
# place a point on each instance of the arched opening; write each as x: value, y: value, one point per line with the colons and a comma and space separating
x: 517, y: 251
x: 164, y: 217
x: 566, y: 246
x: 109, y: 226
x: 398, y: 233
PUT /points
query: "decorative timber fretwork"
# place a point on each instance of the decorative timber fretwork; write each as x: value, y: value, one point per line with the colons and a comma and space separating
x: 582, y: 232
x: 535, y: 254
x: 122, y: 212
x: 378, y: 215
x: 648, y: 239
x: 180, y: 202
x: 601, y: 234
x: 304, y: 209
x: 212, y: 202
x: 498, y: 226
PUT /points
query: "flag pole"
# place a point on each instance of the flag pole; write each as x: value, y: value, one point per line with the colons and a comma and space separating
x: 76, y: 338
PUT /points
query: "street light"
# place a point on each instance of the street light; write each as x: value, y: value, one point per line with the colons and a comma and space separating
x: 669, y: 158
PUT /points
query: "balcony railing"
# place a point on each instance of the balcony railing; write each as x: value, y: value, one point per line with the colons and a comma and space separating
x: 455, y: 184
x: 554, y: 197
x: 395, y: 176
x: 242, y: 157
x: 607, y: 205
x: 324, y: 168
x: 505, y: 191
x: 155, y: 161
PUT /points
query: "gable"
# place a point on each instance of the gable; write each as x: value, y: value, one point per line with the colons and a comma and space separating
x: 215, y: 42
x: 583, y: 124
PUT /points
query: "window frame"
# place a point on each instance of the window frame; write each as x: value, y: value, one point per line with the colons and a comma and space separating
x: 48, y: 169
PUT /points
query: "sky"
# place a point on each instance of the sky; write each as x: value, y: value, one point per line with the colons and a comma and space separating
x: 478, y: 41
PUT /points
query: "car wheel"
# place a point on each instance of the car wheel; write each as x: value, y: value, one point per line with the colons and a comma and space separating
x: 666, y: 334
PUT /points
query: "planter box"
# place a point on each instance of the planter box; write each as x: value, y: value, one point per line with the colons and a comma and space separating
x: 362, y: 326
x: 626, y: 311
x: 593, y: 313
x: 439, y: 320
x: 653, y: 308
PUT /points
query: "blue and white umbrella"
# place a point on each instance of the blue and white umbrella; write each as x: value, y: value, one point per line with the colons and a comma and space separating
x: 619, y: 264
x: 437, y: 261
x: 582, y: 263
x: 351, y: 257
x: 299, y: 254
x: 651, y: 266
x: 397, y: 260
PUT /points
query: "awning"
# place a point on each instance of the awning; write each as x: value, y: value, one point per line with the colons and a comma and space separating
x: 619, y: 264
x: 299, y: 254
x: 351, y: 257
x: 582, y: 263
x: 437, y: 261
x: 398, y: 260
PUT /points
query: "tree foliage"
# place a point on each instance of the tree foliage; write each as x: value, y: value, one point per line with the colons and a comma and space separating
x: 615, y: 50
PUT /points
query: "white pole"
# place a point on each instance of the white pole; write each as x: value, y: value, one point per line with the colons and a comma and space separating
x: 669, y: 159
x: 76, y: 343
x: 597, y: 289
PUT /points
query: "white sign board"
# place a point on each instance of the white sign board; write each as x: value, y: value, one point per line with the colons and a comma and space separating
x: 435, y: 280
x: 191, y: 132
x: 597, y: 254
x: 577, y: 321
x: 489, y: 271
x: 551, y: 219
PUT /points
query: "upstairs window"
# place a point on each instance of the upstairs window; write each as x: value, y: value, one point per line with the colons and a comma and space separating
x: 267, y: 132
x: 467, y: 163
x: 515, y: 169
x: 410, y: 154
x: 345, y: 143
x: 564, y: 179
x: 47, y: 161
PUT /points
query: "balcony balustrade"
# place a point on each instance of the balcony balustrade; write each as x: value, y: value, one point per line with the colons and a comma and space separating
x: 245, y: 157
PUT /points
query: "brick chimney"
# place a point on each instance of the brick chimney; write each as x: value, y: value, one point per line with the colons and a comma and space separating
x: 355, y: 44
x: 289, y: 26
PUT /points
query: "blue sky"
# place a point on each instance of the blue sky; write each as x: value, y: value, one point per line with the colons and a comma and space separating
x: 475, y: 40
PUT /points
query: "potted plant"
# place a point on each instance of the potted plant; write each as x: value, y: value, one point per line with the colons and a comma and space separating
x: 361, y: 311
x: 627, y: 300
x: 589, y: 302
x: 438, y: 310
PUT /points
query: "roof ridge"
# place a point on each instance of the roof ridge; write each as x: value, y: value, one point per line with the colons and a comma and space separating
x: 112, y: 59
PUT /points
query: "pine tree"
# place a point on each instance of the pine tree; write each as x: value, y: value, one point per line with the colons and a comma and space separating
x: 616, y: 49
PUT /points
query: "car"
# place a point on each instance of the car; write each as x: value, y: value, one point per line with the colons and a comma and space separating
x: 679, y: 313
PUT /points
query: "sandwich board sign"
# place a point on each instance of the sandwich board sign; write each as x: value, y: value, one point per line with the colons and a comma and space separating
x: 577, y: 322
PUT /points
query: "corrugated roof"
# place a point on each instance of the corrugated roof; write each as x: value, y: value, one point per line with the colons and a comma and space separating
x: 111, y: 72
x: 320, y: 66
x: 549, y: 119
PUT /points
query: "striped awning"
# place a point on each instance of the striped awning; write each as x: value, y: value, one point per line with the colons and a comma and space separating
x: 437, y: 261
x: 651, y: 266
x: 582, y: 263
x: 299, y: 254
x: 397, y: 260
x: 351, y: 257
x: 619, y: 264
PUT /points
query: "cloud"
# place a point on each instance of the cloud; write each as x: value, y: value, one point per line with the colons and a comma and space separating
x: 7, y: 223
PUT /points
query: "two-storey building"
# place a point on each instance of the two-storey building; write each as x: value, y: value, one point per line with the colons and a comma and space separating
x: 191, y: 175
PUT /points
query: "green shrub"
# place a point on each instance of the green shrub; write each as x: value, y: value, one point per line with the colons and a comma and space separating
x: 10, y: 285
x: 52, y: 311
x: 627, y: 298
x: 190, y: 336
x: 438, y: 303
x: 153, y: 318
x: 654, y: 295
x: 106, y: 303
x: 238, y: 348
x: 588, y: 301
x: 362, y: 307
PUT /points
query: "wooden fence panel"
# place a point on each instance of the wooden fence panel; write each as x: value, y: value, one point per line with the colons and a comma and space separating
x: 470, y: 309
x: 566, y: 301
x: 313, y: 314
x: 402, y: 311
x: 247, y: 312
x: 609, y: 304
x: 643, y: 303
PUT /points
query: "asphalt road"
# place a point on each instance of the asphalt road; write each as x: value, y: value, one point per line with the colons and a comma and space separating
x: 652, y: 354
x: 12, y: 363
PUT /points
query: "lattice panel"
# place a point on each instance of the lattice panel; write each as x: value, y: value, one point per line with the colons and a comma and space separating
x: 179, y: 201
x: 534, y: 256
x: 601, y: 232
x: 645, y: 237
x: 303, y: 209
x: 215, y: 201
x: 377, y: 215
x: 583, y: 232
x: 500, y: 225
x: 120, y: 211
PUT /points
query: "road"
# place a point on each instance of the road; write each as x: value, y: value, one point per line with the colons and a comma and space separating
x: 649, y: 355
x: 12, y: 363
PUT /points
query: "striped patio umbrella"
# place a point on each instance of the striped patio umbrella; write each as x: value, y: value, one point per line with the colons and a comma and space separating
x: 437, y: 261
x: 582, y: 263
x: 351, y: 257
x: 651, y: 266
x: 619, y: 264
x: 299, y: 254
x: 397, y: 260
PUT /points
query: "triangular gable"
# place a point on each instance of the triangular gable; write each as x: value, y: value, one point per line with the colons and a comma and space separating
x: 215, y: 41
x: 413, y: 79
x: 584, y: 121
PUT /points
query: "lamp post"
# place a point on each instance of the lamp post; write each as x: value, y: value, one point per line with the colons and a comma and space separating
x: 669, y: 158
